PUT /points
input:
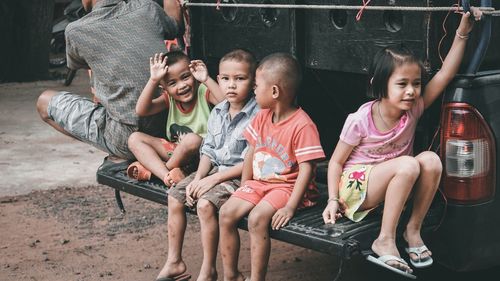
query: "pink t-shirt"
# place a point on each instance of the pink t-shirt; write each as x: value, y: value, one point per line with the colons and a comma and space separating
x: 372, y: 146
x: 280, y: 148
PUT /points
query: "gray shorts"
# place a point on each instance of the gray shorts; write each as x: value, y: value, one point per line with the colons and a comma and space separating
x: 89, y: 123
x: 218, y: 195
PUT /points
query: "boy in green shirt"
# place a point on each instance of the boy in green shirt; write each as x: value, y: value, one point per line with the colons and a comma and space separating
x: 187, y: 92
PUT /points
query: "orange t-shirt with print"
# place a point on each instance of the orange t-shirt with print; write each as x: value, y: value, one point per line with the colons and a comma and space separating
x: 280, y: 148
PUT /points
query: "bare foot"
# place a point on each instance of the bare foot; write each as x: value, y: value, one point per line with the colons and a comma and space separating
x: 239, y: 277
x: 387, y: 246
x: 171, y: 269
x: 208, y: 276
x: 173, y: 177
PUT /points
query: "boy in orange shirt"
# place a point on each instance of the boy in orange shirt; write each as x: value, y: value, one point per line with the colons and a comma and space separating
x: 278, y: 167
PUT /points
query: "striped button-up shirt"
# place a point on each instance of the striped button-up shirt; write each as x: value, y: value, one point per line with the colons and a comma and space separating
x: 225, y: 144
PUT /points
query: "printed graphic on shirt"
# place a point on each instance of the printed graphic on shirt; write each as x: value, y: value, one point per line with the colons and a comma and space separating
x: 177, y: 131
x: 390, y: 150
x: 268, y: 168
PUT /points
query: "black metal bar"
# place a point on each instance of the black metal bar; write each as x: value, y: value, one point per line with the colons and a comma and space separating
x: 339, y: 272
x: 306, y: 229
x: 484, y: 42
x: 466, y: 5
x: 119, y: 201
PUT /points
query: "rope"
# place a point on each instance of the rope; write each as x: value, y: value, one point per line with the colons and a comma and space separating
x: 485, y: 10
x: 360, y: 12
x: 495, y: 13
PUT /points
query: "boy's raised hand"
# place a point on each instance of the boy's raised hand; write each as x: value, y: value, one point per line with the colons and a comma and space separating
x: 199, y: 70
x: 158, y: 67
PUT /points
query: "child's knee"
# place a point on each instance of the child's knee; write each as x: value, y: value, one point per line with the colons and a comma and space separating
x: 226, y: 216
x: 258, y: 220
x: 409, y: 168
x: 205, y: 209
x: 174, y: 204
x: 430, y: 162
x: 191, y: 142
x: 134, y: 139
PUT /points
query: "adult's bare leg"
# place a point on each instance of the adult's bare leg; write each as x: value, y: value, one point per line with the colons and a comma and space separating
x: 42, y: 105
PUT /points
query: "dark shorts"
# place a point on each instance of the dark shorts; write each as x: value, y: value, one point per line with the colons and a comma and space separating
x: 88, y: 122
x: 218, y: 195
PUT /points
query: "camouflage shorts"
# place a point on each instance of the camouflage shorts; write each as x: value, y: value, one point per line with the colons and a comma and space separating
x: 218, y: 195
x: 88, y: 122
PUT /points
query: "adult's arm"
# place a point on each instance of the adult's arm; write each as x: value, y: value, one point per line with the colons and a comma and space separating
x: 73, y: 58
x: 173, y: 9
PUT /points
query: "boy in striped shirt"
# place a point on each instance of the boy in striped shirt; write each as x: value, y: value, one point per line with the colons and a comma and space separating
x: 278, y: 168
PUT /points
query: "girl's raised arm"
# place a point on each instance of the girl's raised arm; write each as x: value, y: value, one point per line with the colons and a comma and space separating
x: 452, y: 61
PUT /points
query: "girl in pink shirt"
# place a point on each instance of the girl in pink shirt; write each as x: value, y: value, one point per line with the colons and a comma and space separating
x: 373, y: 161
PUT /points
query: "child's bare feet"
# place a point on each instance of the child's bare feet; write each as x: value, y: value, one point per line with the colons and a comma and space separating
x: 172, y: 269
x: 173, y: 177
x: 387, y: 246
x: 210, y: 275
x: 238, y: 277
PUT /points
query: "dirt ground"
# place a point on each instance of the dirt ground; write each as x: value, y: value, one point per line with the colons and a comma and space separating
x: 79, y: 234
x: 57, y: 223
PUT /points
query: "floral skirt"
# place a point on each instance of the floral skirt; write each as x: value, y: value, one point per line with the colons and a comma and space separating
x: 352, y: 191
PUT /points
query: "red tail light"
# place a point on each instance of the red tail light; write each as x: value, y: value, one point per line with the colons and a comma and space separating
x: 468, y: 153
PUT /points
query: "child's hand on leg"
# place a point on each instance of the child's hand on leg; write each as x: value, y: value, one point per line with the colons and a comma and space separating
x: 190, y: 200
x: 282, y: 217
x: 204, y: 185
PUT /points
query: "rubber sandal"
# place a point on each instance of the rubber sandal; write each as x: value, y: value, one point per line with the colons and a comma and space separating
x: 382, y: 261
x: 137, y: 171
x: 420, y: 262
x: 180, y: 277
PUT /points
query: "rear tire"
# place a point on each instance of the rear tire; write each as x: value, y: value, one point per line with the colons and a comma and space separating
x: 57, y: 50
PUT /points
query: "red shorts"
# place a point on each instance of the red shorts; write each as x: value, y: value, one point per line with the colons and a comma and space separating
x: 254, y: 191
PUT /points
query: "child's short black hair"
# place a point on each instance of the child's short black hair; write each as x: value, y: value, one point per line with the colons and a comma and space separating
x: 242, y: 55
x: 176, y: 56
x: 383, y: 65
x: 282, y: 68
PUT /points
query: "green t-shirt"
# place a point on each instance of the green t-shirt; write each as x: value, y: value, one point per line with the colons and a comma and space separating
x: 192, y: 120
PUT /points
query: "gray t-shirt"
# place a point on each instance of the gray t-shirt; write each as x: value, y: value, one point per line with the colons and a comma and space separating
x: 116, y: 40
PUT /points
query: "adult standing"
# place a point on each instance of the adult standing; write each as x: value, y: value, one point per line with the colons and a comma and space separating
x: 115, y: 39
